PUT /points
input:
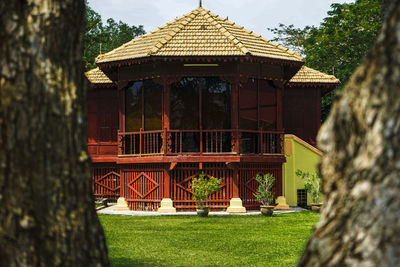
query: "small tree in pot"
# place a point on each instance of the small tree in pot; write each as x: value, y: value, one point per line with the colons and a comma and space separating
x: 264, y: 193
x: 313, y: 185
x: 202, y: 188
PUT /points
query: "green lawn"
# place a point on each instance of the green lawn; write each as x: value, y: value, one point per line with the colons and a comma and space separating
x: 212, y: 241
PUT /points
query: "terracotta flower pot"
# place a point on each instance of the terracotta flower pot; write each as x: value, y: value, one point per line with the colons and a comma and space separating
x: 316, y: 207
x: 267, y: 210
x: 202, y: 212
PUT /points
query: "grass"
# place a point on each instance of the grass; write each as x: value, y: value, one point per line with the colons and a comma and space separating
x: 212, y: 241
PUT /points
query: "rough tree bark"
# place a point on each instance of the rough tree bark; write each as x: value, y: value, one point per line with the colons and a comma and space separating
x: 47, y: 216
x: 360, y: 223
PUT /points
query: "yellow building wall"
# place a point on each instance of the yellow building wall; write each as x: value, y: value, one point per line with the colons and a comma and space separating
x: 299, y: 156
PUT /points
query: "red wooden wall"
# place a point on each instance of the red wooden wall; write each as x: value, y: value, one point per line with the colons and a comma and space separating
x: 142, y: 185
x: 182, y: 176
x: 102, y: 121
x: 302, y: 112
x: 248, y: 184
x: 106, y: 180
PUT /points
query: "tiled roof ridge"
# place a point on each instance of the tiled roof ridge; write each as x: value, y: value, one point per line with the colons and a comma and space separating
x: 99, y: 57
x: 287, y: 50
x: 310, y: 75
x: 165, y: 39
x: 322, y: 73
x: 134, y: 40
x: 160, y: 44
x: 225, y: 31
x: 97, y: 76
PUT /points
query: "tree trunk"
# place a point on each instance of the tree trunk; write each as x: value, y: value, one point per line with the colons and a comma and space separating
x: 360, y: 221
x: 47, y: 215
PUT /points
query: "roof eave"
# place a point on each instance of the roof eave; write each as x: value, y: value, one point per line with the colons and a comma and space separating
x: 136, y: 61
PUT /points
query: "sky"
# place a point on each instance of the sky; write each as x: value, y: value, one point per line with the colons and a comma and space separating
x: 254, y: 15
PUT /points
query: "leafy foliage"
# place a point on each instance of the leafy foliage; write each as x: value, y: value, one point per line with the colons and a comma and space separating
x: 339, y: 44
x: 264, y: 193
x: 312, y: 184
x: 100, y: 38
x: 291, y: 37
x: 202, y: 188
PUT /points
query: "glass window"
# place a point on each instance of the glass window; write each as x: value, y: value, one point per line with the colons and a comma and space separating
x: 267, y: 106
x: 216, y: 104
x: 133, y: 105
x: 185, y: 104
x: 248, y: 105
x: 152, y: 106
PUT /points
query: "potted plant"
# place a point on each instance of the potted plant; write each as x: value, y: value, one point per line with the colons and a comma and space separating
x: 264, y: 193
x: 313, y: 185
x: 202, y: 188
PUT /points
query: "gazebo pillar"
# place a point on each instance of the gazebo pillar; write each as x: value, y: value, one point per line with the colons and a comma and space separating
x: 122, y: 204
x: 166, y: 205
x: 235, y: 204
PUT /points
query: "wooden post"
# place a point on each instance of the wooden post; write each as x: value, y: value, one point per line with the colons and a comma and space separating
x: 279, y: 122
x: 121, y: 109
x: 167, y: 184
x: 235, y: 180
x: 167, y: 104
x: 235, y: 115
x: 235, y: 204
x: 122, y: 204
x: 166, y: 205
x: 258, y: 104
x: 200, y: 114
x: 140, y: 141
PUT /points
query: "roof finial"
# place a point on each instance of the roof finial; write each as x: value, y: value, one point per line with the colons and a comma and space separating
x: 201, y: 3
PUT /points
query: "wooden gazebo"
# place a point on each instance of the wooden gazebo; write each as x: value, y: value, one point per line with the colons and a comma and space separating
x: 200, y: 94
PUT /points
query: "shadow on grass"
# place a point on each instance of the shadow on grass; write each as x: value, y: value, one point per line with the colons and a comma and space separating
x: 116, y: 262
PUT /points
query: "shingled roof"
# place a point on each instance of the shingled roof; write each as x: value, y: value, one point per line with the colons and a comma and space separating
x: 199, y: 33
x: 97, y: 76
x: 309, y: 75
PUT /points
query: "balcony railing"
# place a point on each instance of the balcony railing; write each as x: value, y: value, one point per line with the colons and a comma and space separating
x: 200, y: 142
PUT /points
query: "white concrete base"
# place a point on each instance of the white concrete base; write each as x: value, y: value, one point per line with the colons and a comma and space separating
x: 167, y: 206
x: 236, y: 206
x: 281, y: 201
x: 121, y: 204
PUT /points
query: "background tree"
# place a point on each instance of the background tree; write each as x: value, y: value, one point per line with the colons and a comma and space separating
x: 101, y: 38
x: 338, y: 45
x: 47, y: 215
x: 360, y: 223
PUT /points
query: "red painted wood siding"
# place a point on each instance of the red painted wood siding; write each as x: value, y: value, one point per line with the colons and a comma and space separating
x: 102, y: 122
x: 248, y: 185
x: 302, y: 112
x: 182, y: 176
x: 143, y: 185
x: 105, y: 181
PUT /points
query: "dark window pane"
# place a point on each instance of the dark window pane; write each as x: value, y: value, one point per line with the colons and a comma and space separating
x: 216, y: 103
x: 248, y: 105
x: 267, y: 106
x: 185, y: 104
x: 152, y: 106
x: 133, y: 104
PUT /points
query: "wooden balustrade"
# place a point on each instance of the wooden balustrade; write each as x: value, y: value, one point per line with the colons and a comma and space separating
x: 143, y: 143
x: 260, y: 142
x: 199, y: 142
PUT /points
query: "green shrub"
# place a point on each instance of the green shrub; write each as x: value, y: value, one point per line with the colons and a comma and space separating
x: 312, y: 184
x: 202, y: 188
x: 264, y: 192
